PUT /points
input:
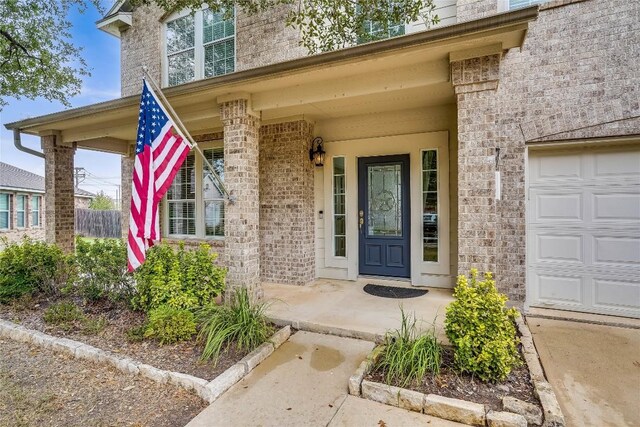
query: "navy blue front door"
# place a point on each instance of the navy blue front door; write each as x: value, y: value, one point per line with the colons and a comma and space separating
x: 383, y: 216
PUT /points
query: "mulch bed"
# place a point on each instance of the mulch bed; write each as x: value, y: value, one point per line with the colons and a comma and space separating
x: 465, y: 387
x: 181, y: 357
x: 39, y: 387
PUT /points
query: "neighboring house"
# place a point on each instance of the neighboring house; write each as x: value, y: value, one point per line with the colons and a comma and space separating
x: 22, y: 203
x: 83, y: 198
x: 505, y: 139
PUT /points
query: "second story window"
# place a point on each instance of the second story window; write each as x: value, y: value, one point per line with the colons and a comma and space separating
x: 516, y: 4
x: 198, y: 45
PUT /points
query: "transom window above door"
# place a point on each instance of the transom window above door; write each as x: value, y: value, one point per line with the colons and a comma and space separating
x: 198, y: 45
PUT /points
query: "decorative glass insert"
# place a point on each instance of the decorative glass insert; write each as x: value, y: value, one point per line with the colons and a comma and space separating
x: 181, y: 50
x: 35, y: 211
x: 21, y: 204
x: 181, y: 199
x: 219, y: 43
x: 339, y: 207
x: 517, y: 4
x: 212, y: 194
x: 384, y: 200
x: 4, y: 211
x: 430, y: 205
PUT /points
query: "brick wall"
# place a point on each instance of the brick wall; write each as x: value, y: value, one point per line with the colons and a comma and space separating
x: 59, y: 199
x: 242, y: 217
x: 575, y: 77
x: 287, y: 245
x: 265, y: 39
x: 140, y: 45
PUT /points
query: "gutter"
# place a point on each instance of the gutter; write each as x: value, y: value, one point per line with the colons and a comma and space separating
x: 17, y: 141
x: 518, y: 16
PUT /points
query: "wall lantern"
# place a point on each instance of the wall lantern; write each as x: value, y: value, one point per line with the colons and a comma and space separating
x: 317, y: 155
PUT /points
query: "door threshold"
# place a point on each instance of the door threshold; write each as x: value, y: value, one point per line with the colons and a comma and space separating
x: 403, y: 280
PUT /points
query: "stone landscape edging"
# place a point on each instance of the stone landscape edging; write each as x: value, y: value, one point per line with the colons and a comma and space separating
x: 207, y: 390
x: 461, y: 410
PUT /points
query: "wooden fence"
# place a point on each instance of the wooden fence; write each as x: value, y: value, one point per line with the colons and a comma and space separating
x: 93, y: 223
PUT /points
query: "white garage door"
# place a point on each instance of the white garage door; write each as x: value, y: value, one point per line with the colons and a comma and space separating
x: 583, y: 230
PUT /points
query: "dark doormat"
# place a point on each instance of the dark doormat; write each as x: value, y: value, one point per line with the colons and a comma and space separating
x: 393, y: 292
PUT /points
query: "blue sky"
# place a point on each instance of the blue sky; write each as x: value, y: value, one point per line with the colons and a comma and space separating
x: 102, y: 53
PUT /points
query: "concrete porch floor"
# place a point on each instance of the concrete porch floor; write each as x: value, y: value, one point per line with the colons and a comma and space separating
x: 342, y: 308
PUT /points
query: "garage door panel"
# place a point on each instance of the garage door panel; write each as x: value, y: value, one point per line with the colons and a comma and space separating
x: 624, y: 206
x: 551, y: 168
x: 550, y: 207
x: 616, y: 250
x: 560, y: 289
x: 559, y: 247
x: 616, y: 294
x: 616, y: 164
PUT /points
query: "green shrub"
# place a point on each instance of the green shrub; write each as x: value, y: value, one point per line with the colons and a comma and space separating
x: 481, y: 329
x: 169, y: 325
x: 179, y: 279
x: 68, y: 316
x: 102, y: 270
x: 63, y: 314
x: 29, y: 267
x: 408, y: 355
x: 136, y: 334
x: 240, y: 322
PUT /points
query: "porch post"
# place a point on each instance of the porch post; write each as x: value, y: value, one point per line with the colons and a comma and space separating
x: 241, y: 177
x: 475, y: 81
x: 126, y: 176
x: 59, y: 192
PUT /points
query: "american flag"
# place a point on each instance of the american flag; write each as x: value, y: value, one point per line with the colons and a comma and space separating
x: 160, y: 151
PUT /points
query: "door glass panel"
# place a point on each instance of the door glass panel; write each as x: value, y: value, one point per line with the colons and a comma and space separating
x: 384, y: 200
x: 430, y: 205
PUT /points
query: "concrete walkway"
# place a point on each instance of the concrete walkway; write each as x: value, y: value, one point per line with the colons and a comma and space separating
x: 304, y: 383
x: 594, y: 370
x: 334, y: 305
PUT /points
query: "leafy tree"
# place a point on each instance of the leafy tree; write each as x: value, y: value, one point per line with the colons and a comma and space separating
x: 101, y: 202
x: 37, y: 57
x: 325, y: 24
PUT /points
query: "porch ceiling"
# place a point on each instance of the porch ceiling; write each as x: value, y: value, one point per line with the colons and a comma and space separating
x: 406, y: 72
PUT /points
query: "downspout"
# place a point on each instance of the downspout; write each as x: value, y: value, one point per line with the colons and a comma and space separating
x: 17, y: 141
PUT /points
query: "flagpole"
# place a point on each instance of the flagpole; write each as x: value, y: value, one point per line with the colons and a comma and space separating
x: 187, y: 135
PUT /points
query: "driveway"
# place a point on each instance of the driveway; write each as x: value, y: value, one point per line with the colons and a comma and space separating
x: 594, y: 370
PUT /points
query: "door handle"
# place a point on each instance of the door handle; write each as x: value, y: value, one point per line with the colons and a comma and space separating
x: 361, y: 220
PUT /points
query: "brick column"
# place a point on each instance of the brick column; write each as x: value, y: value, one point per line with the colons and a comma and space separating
x: 126, y: 176
x: 59, y: 197
x: 287, y: 234
x: 476, y: 81
x: 241, y: 177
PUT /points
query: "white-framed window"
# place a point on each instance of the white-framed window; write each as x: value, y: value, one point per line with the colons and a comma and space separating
x: 375, y: 30
x: 35, y: 211
x: 194, y: 202
x: 430, y: 235
x: 339, y: 208
x: 198, y: 45
x: 21, y: 211
x: 517, y: 4
x: 5, y: 211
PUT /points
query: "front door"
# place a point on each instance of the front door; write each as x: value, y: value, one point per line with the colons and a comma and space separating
x: 383, y: 216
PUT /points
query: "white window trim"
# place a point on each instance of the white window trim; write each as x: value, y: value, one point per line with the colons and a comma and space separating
x: 39, y: 210
x: 199, y: 45
x: 25, y: 210
x: 8, y: 211
x: 199, y: 201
